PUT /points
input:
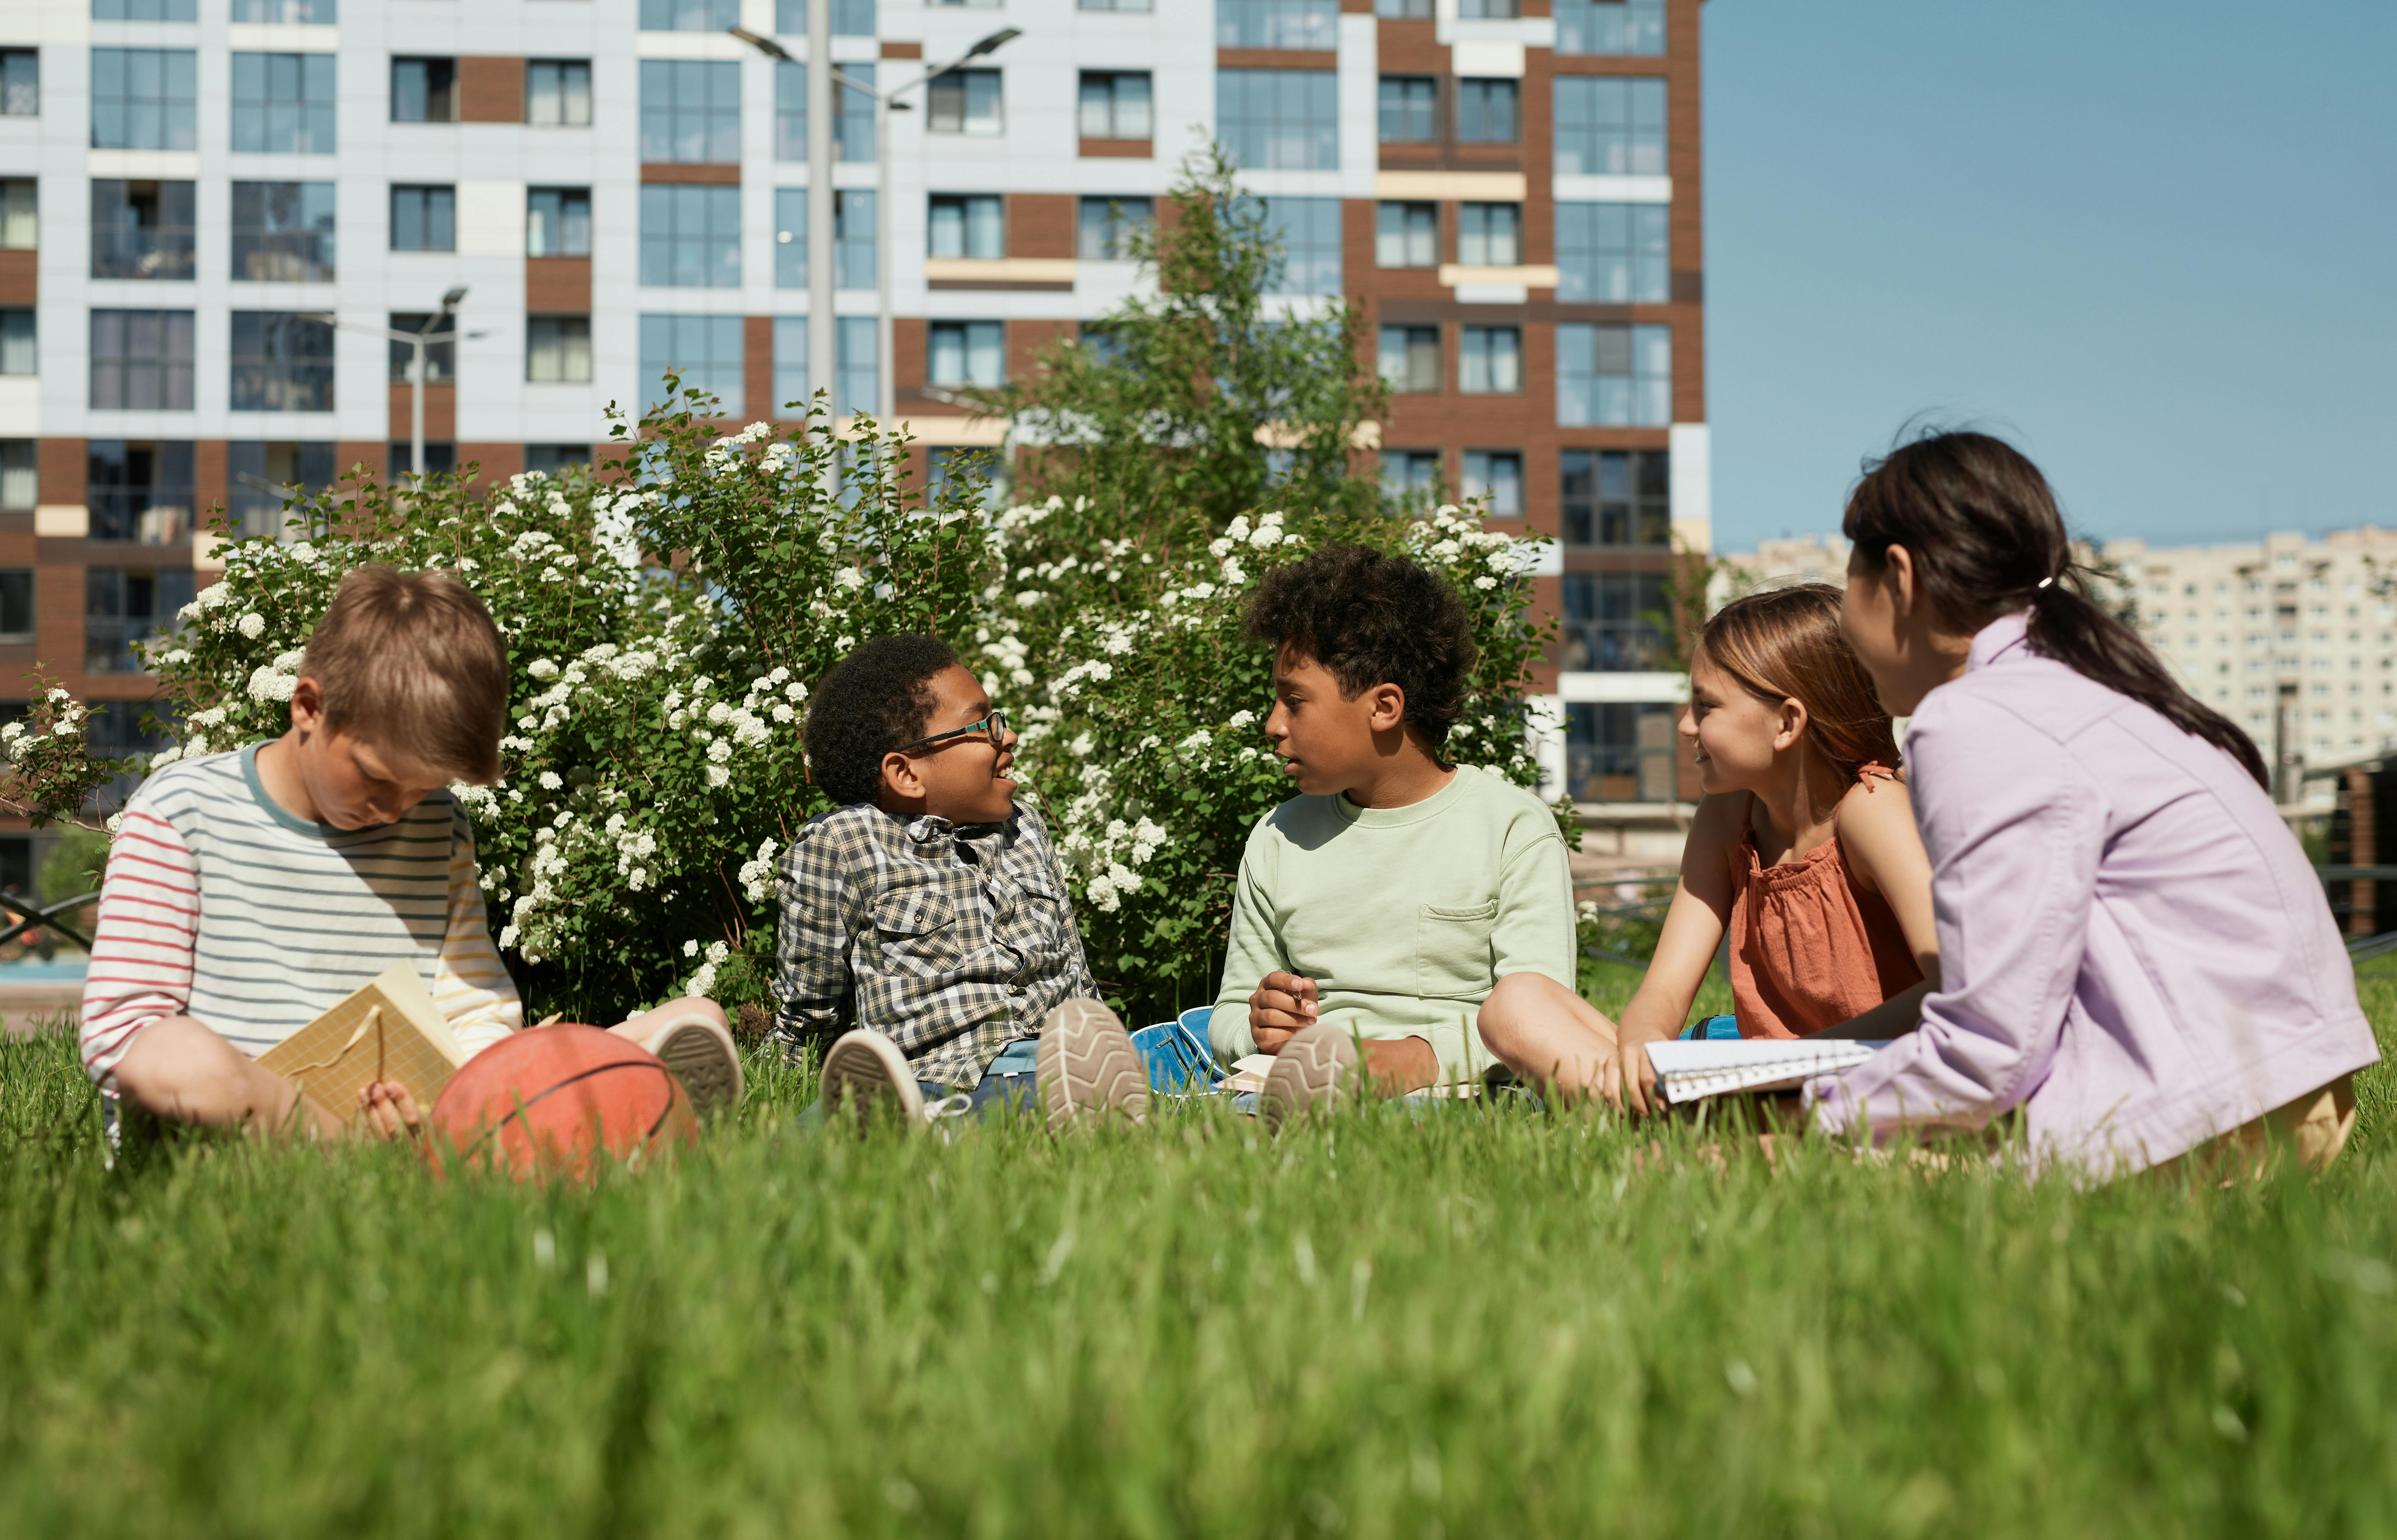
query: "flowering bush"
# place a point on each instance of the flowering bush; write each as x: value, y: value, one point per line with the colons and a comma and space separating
x: 1142, y: 708
x: 653, y: 771
x: 48, y: 770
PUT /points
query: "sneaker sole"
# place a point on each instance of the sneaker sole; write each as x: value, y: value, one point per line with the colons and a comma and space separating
x: 1315, y: 1067
x: 864, y: 1070
x: 706, y: 1064
x: 1087, y: 1066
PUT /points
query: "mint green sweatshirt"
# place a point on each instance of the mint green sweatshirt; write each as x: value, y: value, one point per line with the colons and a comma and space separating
x: 1403, y: 917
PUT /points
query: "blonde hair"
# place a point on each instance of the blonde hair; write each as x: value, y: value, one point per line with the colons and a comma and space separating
x: 1785, y: 644
x: 411, y: 662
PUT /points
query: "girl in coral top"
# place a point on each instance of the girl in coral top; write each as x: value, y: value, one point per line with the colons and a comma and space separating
x: 1803, y: 850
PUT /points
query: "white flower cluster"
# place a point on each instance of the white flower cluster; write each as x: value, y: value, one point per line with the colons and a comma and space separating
x: 273, y: 681
x: 702, y: 982
x: 758, y: 873
x: 1453, y: 537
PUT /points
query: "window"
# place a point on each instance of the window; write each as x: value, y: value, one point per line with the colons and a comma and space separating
x: 972, y: 226
x: 1614, y: 376
x: 691, y: 236
x: 1308, y: 232
x: 1613, y: 253
x: 1490, y: 360
x: 138, y: 492
x: 967, y: 353
x: 21, y: 225
x: 550, y: 458
x: 423, y: 90
x: 1618, y: 753
x: 1489, y: 10
x: 141, y: 229
x: 142, y: 360
x: 857, y: 352
x: 1128, y: 6
x: 423, y: 219
x: 440, y: 358
x: 1485, y: 112
x: 1406, y: 234
x: 1411, y: 476
x: 283, y: 232
x: 20, y: 83
x: 1610, y: 621
x: 123, y: 609
x: 297, y: 13
x: 957, y: 467
x: 790, y: 242
x: 693, y: 15
x: 20, y: 348
x: 17, y: 605
x: 1489, y: 234
x: 853, y: 123
x: 283, y: 103
x: 1403, y: 10
x: 1610, y: 126
x: 557, y: 222
x: 1410, y: 109
x: 1114, y: 105
x: 557, y: 350
x: 281, y: 361
x: 1103, y: 233
x: 1611, y: 26
x: 20, y: 477
x: 144, y: 99
x: 852, y: 240
x: 704, y: 350
x: 690, y: 110
x: 1617, y: 498
x: 1280, y: 120
x: 1278, y: 24
x: 966, y: 101
x: 850, y: 19
x: 558, y: 93
x: 145, y: 10
x: 399, y: 459
x: 1498, y: 476
x: 1409, y: 357
x: 257, y: 476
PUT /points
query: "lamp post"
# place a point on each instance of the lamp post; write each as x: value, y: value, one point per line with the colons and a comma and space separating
x: 422, y: 338
x: 823, y: 356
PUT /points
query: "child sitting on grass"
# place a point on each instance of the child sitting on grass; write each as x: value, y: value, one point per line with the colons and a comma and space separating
x: 249, y: 891
x: 1387, y: 900
x: 928, y: 914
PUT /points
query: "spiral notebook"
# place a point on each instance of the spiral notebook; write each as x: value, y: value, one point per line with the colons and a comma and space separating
x: 1691, y: 1070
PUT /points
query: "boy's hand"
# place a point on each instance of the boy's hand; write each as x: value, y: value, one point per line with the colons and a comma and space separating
x: 1281, y: 1005
x: 389, y: 1109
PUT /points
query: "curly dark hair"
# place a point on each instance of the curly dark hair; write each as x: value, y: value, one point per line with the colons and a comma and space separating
x: 875, y: 699
x: 1372, y: 619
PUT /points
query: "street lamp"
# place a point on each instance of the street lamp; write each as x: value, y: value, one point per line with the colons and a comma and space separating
x: 420, y: 340
x: 823, y: 358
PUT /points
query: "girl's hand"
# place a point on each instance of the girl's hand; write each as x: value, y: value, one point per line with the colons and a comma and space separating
x: 1628, y: 1079
x: 390, y: 1108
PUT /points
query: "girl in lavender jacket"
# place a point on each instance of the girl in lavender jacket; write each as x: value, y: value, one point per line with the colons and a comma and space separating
x: 2133, y: 950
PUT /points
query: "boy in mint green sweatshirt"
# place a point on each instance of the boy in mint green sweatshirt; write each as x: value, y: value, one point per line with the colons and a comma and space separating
x: 1385, y: 902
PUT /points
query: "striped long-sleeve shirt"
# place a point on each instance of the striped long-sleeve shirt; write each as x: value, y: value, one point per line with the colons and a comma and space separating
x: 222, y: 905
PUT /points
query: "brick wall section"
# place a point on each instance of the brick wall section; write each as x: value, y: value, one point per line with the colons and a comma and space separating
x: 1026, y: 340
x: 725, y: 175
x: 908, y: 365
x: 557, y: 286
x: 62, y: 466
x: 440, y: 414
x: 210, y: 485
x: 1117, y: 149
x: 758, y: 369
x: 491, y: 90
x: 498, y: 462
x: 20, y: 282
x: 1039, y: 224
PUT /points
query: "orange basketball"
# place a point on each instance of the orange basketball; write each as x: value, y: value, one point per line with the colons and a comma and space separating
x: 548, y: 1100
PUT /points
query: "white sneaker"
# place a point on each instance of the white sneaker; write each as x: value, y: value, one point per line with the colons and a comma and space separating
x: 1318, y: 1064
x: 1087, y: 1066
x: 703, y: 1057
x: 864, y: 1070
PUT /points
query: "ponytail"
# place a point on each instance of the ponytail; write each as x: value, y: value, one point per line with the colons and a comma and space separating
x: 1982, y: 526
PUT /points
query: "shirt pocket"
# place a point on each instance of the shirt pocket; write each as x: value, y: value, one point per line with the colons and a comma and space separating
x: 1452, y: 950
x: 916, y: 932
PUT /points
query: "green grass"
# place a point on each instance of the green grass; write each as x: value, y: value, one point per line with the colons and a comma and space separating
x: 1482, y: 1323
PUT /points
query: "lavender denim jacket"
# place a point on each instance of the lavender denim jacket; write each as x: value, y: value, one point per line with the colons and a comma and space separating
x: 2132, y: 945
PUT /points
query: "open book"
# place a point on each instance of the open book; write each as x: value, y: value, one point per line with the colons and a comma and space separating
x: 389, y: 1030
x: 1689, y: 1070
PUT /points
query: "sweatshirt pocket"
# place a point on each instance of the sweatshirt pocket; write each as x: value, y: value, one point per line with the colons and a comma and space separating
x: 1453, y: 958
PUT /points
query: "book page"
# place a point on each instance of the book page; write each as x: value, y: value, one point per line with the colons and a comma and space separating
x: 389, y: 1029
x: 1688, y: 1070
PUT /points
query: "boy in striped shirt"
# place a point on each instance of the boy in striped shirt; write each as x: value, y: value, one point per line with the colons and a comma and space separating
x: 248, y: 891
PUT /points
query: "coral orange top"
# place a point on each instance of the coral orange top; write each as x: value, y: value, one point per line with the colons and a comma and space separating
x: 1808, y: 947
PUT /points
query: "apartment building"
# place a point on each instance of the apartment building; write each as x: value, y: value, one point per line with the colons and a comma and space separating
x: 213, y: 212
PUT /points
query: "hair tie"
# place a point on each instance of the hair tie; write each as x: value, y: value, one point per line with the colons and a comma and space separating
x: 2045, y: 581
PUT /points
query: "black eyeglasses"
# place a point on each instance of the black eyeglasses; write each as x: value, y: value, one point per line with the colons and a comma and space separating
x: 993, y: 726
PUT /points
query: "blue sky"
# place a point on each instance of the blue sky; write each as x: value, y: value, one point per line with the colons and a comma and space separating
x: 2154, y: 244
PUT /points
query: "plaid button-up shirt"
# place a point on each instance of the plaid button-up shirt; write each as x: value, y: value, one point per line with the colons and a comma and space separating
x: 951, y: 940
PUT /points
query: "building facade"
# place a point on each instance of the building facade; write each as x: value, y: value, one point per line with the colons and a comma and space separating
x: 212, y: 212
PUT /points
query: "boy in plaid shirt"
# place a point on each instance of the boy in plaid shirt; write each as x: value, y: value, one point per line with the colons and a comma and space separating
x: 927, y: 915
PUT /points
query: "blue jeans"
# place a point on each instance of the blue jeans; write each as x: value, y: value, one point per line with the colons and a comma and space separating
x: 1007, y: 1084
